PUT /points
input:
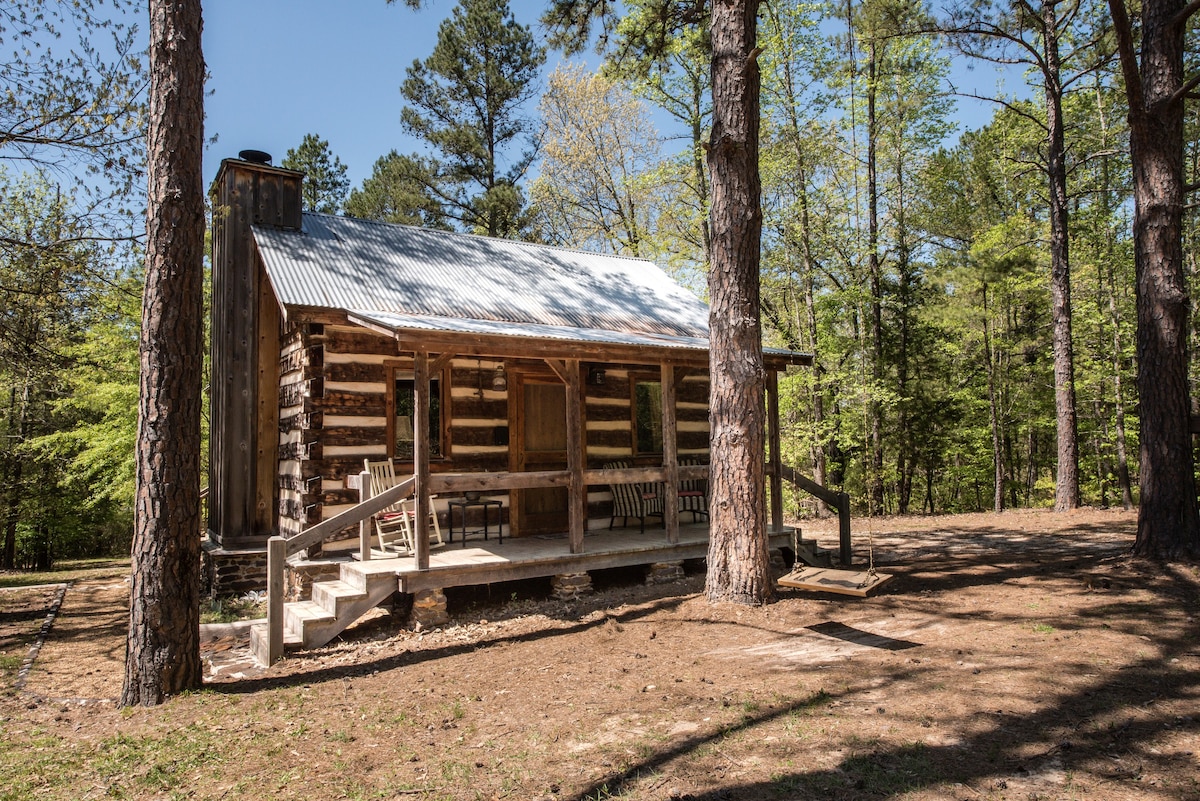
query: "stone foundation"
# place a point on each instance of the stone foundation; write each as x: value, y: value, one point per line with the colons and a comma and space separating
x: 569, y: 586
x: 779, y: 562
x: 298, y: 577
x: 226, y: 572
x: 429, y: 609
x: 664, y: 572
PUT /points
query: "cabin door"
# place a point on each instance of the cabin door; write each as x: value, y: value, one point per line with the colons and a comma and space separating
x: 541, y: 444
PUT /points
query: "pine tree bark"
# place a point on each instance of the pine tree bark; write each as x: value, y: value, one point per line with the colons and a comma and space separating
x: 738, y: 558
x: 998, y: 464
x: 1066, y: 487
x: 1168, y: 518
x: 875, y: 282
x: 163, y: 651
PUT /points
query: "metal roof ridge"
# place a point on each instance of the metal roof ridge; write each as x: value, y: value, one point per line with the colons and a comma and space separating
x: 483, y: 237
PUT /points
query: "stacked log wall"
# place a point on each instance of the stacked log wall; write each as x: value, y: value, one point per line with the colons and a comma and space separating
x: 333, y: 416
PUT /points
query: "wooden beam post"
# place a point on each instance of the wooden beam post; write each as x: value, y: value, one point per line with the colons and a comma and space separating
x: 367, y: 523
x: 421, y: 456
x: 670, y: 429
x: 276, y: 556
x: 576, y: 453
x: 775, y: 464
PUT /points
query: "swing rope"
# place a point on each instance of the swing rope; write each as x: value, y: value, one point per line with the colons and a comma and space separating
x: 871, y: 575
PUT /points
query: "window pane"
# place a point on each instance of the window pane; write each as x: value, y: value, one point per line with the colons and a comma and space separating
x: 648, y: 416
x: 402, y: 447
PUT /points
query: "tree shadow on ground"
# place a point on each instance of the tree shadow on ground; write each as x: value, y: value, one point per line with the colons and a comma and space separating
x: 410, y: 658
x: 1062, y: 732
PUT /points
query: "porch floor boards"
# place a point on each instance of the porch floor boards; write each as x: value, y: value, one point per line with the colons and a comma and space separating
x: 487, y: 561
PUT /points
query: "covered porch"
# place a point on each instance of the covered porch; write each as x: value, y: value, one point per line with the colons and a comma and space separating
x: 363, y: 584
x: 487, y: 562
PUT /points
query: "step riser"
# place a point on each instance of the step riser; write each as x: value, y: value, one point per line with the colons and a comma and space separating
x: 334, y: 606
x: 335, y: 596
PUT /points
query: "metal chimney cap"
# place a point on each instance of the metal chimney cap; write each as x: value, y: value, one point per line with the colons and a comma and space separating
x: 255, y: 156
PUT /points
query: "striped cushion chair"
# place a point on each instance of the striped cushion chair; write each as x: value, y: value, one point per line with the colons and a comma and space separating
x: 693, y: 492
x: 635, y: 500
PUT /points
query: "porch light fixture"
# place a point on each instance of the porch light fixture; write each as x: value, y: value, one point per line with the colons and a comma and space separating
x: 596, y: 376
x: 500, y: 380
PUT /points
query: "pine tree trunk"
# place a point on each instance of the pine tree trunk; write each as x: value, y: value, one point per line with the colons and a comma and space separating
x: 1119, y: 401
x: 1168, y: 518
x: 738, y: 553
x: 994, y: 415
x: 875, y: 279
x: 163, y: 650
x: 1066, y: 488
x: 13, y: 470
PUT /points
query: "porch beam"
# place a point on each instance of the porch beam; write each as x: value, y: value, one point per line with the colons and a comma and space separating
x: 441, y: 362
x: 472, y: 345
x: 775, y: 460
x: 670, y: 453
x: 421, y: 456
x: 561, y: 368
x: 576, y: 451
x: 502, y: 482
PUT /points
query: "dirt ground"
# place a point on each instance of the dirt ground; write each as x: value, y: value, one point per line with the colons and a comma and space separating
x: 1014, y: 656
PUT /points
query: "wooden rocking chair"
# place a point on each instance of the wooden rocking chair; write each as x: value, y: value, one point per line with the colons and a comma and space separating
x: 394, y: 524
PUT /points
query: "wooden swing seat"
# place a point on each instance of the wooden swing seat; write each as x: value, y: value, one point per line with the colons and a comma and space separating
x: 859, y: 583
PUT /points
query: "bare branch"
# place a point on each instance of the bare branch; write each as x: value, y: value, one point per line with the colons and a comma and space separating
x: 1123, y: 30
x: 1185, y: 12
x: 1183, y: 91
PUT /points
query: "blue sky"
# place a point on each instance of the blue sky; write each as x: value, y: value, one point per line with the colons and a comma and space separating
x: 282, y: 68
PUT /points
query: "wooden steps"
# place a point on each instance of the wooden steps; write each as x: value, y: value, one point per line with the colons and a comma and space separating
x: 334, y: 606
x: 808, y: 552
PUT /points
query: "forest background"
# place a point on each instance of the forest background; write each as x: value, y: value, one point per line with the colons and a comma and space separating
x: 913, y: 259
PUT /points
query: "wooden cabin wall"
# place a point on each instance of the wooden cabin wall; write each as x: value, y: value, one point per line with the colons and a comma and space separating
x: 609, y: 426
x: 333, y: 406
x: 609, y: 417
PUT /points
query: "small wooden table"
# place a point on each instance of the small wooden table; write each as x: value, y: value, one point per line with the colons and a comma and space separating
x: 463, y: 504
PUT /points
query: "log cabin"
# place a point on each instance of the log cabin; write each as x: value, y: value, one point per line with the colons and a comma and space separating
x: 513, y: 371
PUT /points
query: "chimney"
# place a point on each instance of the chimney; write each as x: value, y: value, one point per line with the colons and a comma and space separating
x: 246, y: 322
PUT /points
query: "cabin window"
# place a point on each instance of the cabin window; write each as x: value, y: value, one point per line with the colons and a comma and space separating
x: 647, y: 416
x: 401, y: 403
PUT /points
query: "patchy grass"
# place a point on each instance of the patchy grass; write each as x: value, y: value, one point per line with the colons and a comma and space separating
x: 229, y: 610
x: 67, y: 570
x: 1020, y: 678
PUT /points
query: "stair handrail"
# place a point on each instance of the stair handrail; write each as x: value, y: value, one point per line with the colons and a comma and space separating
x: 280, y: 548
x: 352, y: 516
x: 838, y: 500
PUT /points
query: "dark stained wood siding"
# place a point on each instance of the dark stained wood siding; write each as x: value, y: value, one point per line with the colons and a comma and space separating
x: 333, y: 404
x: 245, y: 348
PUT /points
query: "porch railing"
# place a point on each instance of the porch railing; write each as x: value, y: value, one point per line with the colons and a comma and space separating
x: 280, y: 548
x: 838, y: 500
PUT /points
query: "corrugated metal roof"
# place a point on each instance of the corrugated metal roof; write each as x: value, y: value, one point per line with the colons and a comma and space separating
x: 463, y: 326
x: 447, y: 281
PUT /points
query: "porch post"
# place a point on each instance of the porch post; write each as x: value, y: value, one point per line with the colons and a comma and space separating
x: 775, y: 466
x: 421, y: 456
x: 670, y: 454
x: 576, y: 454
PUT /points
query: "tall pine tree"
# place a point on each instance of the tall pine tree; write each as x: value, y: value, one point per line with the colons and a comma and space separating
x: 325, y: 181
x: 465, y: 101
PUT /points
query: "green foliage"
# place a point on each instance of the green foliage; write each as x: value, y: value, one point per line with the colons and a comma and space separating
x: 325, y: 181
x: 68, y: 383
x: 396, y: 192
x: 596, y: 187
x: 464, y: 102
